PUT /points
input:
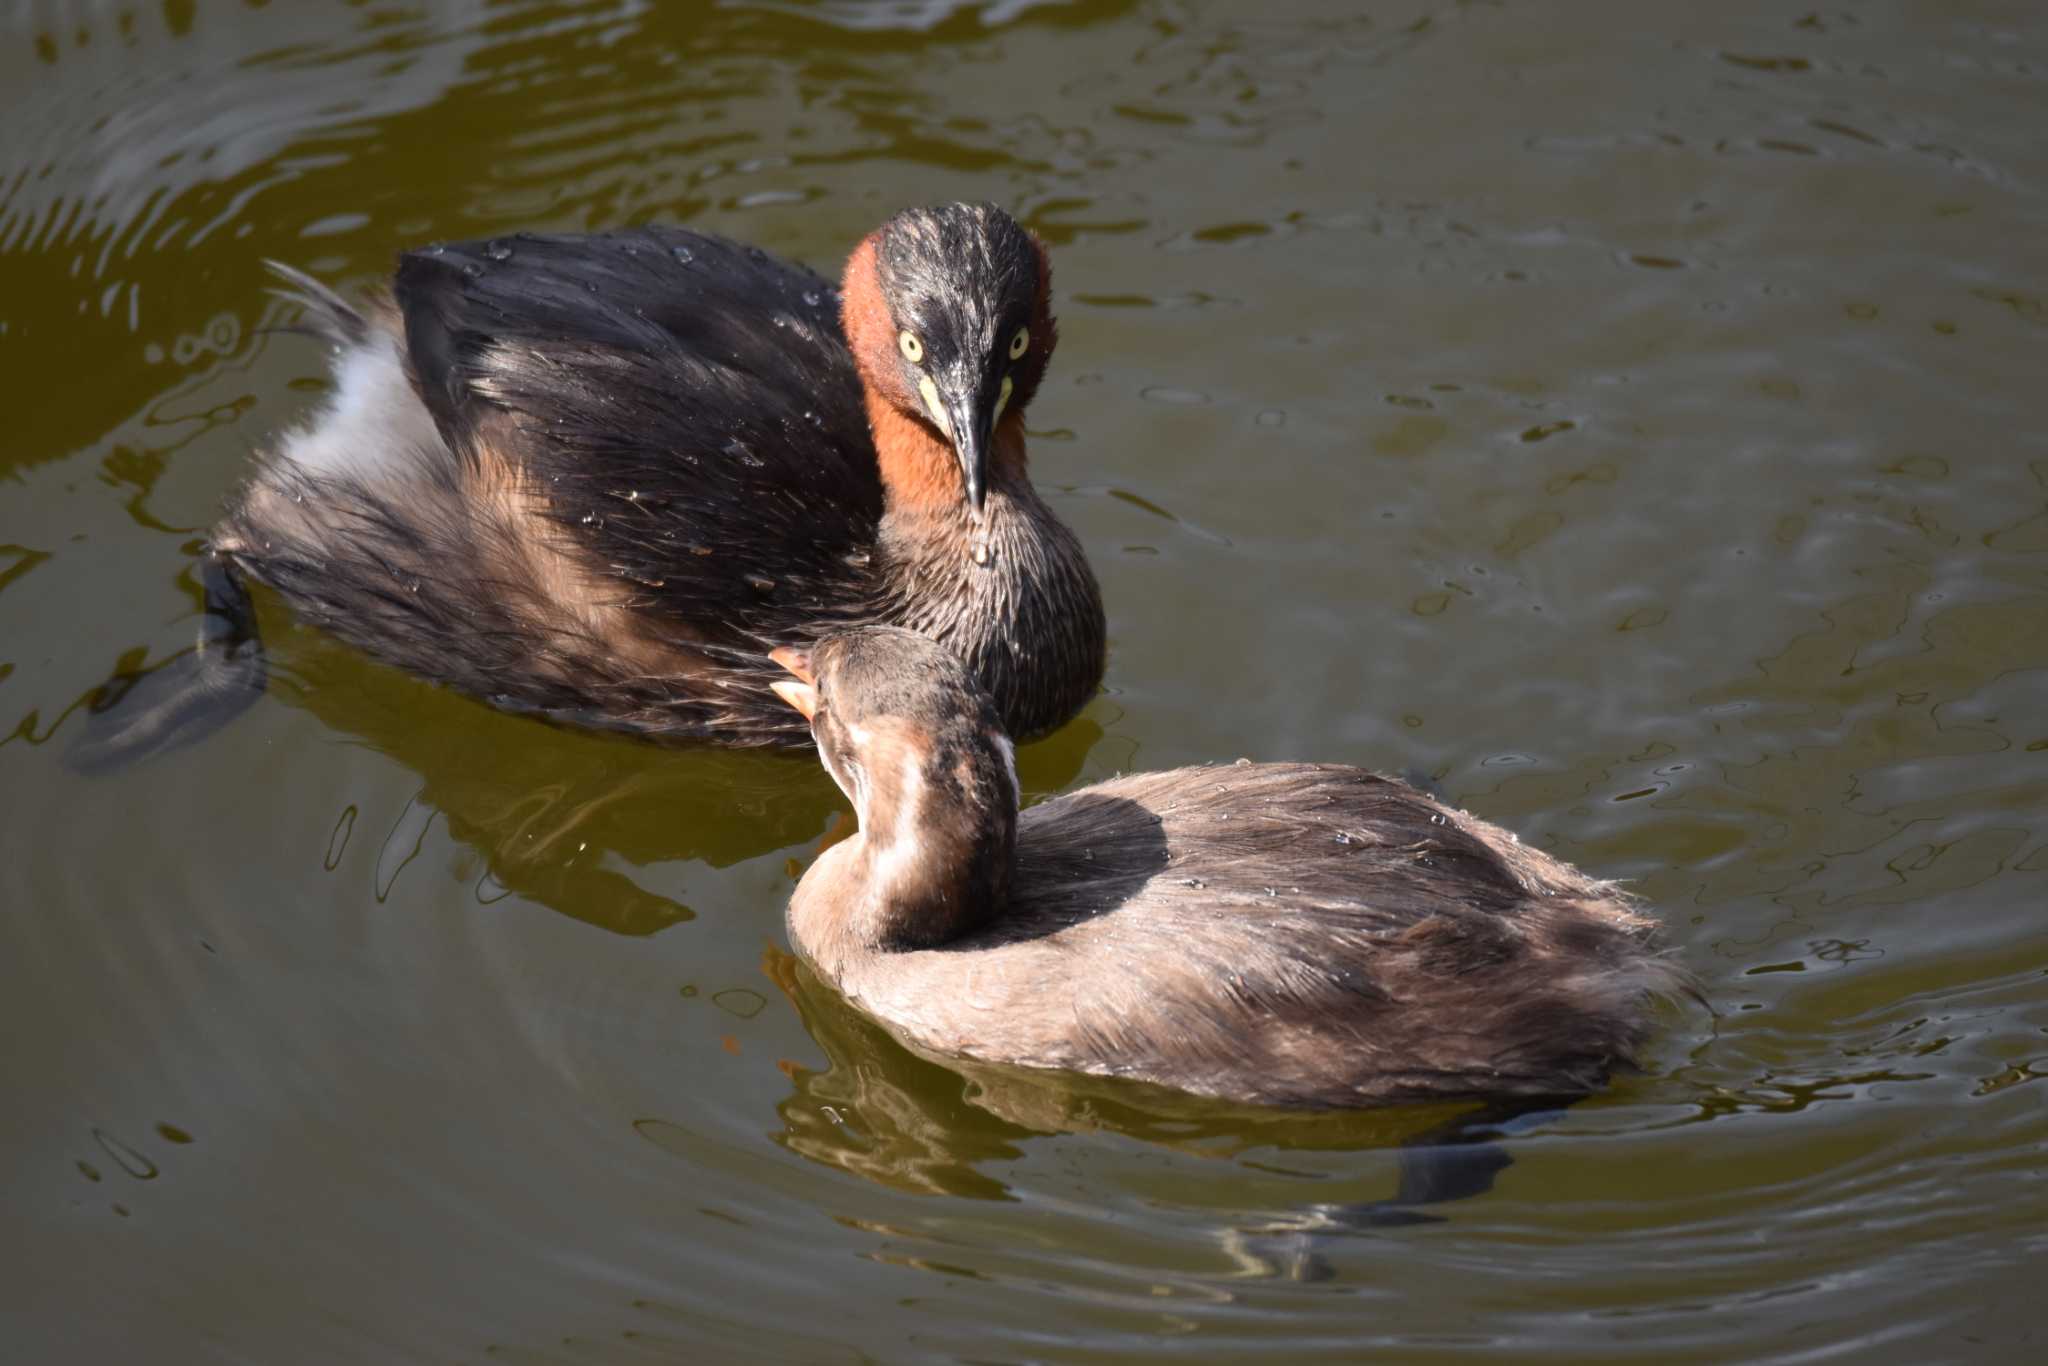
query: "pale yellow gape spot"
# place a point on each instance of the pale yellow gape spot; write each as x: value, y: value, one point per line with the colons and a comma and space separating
x: 930, y: 393
x: 1019, y: 344
x: 913, y: 351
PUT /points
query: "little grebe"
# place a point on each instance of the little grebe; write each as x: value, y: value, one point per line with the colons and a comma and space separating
x: 599, y: 477
x: 1293, y: 934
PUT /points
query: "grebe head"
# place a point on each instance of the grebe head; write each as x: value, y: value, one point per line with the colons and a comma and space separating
x: 948, y: 313
x: 919, y: 749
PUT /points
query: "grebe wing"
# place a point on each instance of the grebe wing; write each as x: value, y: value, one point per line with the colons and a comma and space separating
x: 687, y: 405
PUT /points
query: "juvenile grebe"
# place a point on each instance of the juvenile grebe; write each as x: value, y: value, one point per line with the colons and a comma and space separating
x: 598, y: 477
x: 1291, y: 934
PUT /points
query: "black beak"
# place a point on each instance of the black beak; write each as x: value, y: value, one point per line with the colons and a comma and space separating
x: 970, y: 413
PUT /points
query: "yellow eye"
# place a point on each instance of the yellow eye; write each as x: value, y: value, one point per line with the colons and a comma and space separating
x: 913, y: 349
x: 1020, y: 343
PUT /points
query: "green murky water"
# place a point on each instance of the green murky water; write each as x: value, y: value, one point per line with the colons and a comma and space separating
x: 1631, y: 415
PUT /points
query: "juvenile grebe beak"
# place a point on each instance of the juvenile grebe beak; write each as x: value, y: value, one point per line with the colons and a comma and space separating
x: 802, y: 696
x: 800, y: 691
x: 795, y: 661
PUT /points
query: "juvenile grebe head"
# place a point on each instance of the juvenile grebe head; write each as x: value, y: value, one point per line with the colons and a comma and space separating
x: 918, y: 748
x: 947, y: 310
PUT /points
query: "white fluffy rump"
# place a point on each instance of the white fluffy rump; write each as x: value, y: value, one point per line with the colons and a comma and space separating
x: 372, y: 425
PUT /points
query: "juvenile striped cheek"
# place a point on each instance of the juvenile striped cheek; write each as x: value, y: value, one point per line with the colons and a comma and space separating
x: 904, y: 848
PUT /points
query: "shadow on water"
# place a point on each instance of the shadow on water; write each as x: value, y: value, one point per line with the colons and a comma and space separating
x: 561, y: 816
x: 906, y: 1121
x: 140, y: 713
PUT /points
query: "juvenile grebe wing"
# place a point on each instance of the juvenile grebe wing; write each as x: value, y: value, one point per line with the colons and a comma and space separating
x: 686, y: 406
x: 1311, y: 934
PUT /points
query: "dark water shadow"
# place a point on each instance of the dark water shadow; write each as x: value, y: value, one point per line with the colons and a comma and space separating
x: 912, y: 1123
x: 564, y: 818
x: 142, y: 712
x: 561, y: 817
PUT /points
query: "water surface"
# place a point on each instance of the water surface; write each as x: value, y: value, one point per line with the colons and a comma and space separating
x: 1631, y: 416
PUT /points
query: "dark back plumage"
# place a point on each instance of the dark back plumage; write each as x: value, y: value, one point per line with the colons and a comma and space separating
x: 687, y: 404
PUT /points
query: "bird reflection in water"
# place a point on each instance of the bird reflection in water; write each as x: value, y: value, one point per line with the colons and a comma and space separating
x: 883, y: 1112
x: 564, y: 818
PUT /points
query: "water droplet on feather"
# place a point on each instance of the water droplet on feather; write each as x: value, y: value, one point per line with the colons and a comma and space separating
x: 472, y: 270
x: 499, y: 251
x: 683, y: 255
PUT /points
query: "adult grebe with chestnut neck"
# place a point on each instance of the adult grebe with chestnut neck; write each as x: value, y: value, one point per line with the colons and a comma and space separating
x: 599, y: 477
